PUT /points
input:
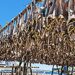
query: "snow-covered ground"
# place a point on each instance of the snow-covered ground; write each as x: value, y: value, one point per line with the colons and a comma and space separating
x: 37, y: 68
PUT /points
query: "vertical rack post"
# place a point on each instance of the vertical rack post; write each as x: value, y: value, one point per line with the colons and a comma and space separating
x: 12, y: 70
x: 52, y: 70
x: 1, y: 73
x: 25, y: 69
x: 72, y: 70
x: 61, y: 70
x: 30, y: 68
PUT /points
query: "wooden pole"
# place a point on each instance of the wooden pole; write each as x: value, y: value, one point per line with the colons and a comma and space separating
x: 20, y: 70
x: 1, y: 73
x: 52, y: 70
x: 16, y: 70
x: 12, y: 70
x: 61, y: 70
x: 67, y: 68
x: 25, y: 69
x: 30, y: 68
x: 72, y: 70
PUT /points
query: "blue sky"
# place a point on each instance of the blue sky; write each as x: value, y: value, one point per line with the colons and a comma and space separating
x: 10, y: 8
